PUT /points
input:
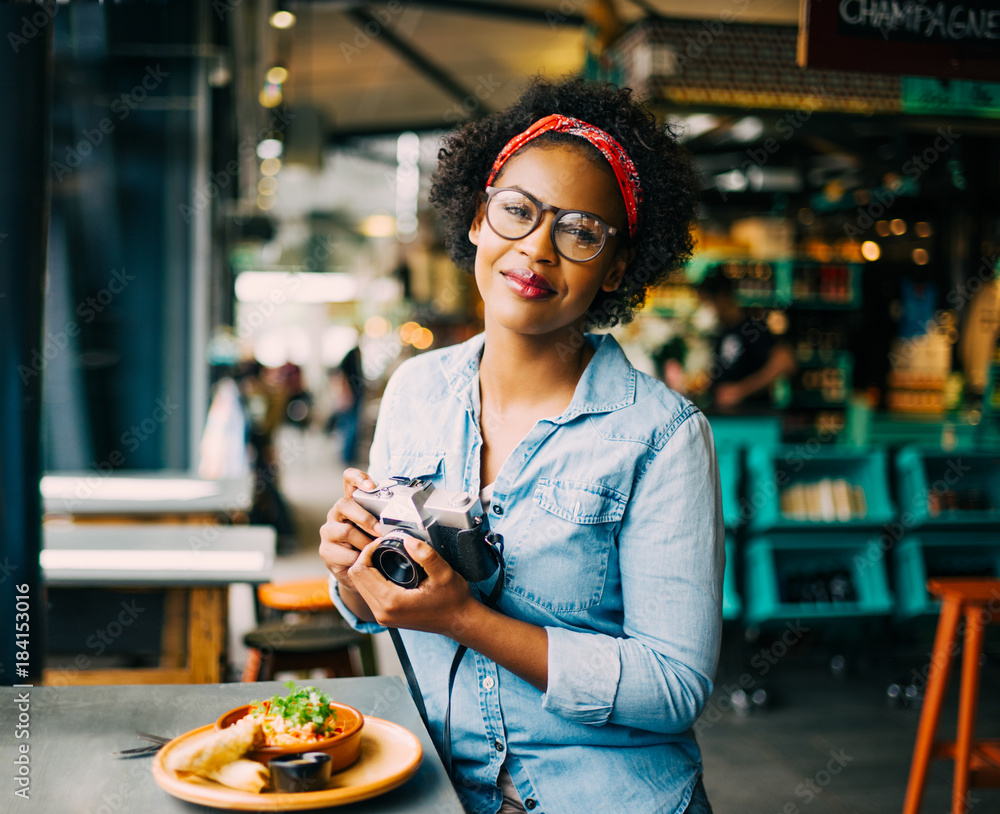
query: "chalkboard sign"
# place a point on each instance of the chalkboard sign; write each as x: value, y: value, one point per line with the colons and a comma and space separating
x: 934, y: 38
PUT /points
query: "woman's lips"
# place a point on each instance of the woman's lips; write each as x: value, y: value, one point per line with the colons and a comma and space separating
x: 526, y: 284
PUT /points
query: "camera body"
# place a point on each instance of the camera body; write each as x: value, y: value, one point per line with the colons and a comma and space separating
x: 453, y: 523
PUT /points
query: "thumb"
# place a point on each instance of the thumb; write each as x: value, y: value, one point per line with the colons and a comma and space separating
x: 425, y: 555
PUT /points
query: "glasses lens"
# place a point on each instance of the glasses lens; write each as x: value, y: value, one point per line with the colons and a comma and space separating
x: 512, y: 214
x: 579, y: 236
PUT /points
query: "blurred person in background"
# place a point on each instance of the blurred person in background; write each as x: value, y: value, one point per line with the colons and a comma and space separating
x: 748, y: 358
x: 347, y: 384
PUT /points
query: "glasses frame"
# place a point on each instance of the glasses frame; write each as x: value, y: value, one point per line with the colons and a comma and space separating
x: 542, y: 208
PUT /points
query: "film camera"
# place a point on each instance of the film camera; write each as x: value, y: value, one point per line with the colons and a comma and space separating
x: 452, y: 522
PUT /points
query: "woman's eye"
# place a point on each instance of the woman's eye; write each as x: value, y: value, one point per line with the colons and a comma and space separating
x: 519, y: 211
x: 583, y: 235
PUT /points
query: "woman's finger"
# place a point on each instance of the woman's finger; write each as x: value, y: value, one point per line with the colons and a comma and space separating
x: 337, y: 555
x: 356, y: 479
x: 345, y: 533
x: 347, y: 509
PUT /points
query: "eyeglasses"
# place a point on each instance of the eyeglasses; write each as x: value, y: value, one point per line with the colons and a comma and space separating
x: 578, y: 236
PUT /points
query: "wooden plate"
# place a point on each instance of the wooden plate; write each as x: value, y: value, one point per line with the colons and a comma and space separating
x: 390, y: 755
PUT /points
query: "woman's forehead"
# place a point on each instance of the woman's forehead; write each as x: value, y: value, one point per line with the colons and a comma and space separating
x: 565, y: 176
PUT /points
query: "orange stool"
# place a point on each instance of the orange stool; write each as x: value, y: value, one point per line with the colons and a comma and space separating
x: 304, y: 630
x: 977, y: 762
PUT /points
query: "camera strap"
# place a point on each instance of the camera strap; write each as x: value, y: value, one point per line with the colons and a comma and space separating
x: 496, y: 548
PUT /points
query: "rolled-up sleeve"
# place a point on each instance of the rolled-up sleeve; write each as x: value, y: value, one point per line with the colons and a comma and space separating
x: 349, y: 617
x: 671, y: 549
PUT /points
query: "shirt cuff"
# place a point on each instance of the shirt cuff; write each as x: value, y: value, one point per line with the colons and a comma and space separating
x: 348, y: 614
x: 583, y: 674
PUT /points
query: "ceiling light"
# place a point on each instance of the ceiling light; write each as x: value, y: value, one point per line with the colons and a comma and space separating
x: 749, y: 128
x: 307, y: 286
x: 380, y: 224
x: 277, y: 75
x: 870, y: 250
x: 282, y: 19
x: 270, y: 96
x: 269, y: 148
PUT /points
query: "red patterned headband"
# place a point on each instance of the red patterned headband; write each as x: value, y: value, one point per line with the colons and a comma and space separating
x: 625, y: 172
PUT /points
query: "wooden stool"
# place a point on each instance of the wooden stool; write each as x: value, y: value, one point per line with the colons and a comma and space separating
x: 304, y: 630
x: 977, y: 762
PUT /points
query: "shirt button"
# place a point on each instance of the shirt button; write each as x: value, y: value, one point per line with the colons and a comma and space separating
x: 488, y: 682
x: 497, y: 508
x: 498, y: 745
x: 530, y: 804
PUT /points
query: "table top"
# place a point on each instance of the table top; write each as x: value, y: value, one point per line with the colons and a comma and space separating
x: 137, y: 492
x: 162, y: 555
x: 74, y: 730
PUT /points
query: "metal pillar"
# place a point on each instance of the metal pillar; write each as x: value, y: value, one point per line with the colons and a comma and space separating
x: 26, y: 94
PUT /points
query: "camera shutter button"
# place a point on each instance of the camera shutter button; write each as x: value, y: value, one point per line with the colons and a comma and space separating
x: 460, y: 499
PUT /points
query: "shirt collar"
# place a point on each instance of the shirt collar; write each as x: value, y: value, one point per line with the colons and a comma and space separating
x: 607, y: 384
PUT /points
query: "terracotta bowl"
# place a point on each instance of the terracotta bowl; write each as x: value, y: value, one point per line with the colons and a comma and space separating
x: 343, y: 748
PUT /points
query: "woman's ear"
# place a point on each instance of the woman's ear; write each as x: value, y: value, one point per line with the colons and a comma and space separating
x: 616, y: 273
x: 477, y: 225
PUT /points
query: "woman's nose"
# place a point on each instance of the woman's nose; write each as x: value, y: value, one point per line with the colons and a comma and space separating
x: 537, y: 244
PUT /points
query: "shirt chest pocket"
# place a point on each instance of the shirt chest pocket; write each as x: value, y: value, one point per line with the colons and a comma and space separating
x: 562, y: 556
x: 423, y: 463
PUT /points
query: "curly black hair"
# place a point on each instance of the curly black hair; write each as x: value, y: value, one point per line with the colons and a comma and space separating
x: 670, y: 182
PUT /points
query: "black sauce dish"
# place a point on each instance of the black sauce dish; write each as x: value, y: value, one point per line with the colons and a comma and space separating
x: 305, y: 771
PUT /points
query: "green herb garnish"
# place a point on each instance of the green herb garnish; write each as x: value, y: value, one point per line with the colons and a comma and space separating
x: 302, y: 705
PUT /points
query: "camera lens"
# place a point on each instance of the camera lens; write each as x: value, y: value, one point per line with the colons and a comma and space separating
x: 392, y: 562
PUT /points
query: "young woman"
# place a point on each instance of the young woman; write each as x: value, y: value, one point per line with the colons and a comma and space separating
x: 580, y: 686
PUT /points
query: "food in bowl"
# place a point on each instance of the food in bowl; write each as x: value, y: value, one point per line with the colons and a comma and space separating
x: 306, y: 720
x: 304, y: 715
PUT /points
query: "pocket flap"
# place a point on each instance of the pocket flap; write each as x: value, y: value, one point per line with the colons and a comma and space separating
x: 579, y: 501
x: 417, y: 463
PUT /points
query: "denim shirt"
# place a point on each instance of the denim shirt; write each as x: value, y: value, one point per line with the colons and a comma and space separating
x: 613, y: 542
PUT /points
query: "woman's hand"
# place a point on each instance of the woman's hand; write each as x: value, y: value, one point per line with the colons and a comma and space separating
x: 348, y: 529
x: 441, y: 603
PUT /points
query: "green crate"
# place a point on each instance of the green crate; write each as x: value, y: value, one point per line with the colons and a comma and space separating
x: 729, y: 481
x: 742, y: 432
x: 921, y: 469
x: 732, y: 605
x: 771, y: 560
x: 769, y: 471
x: 934, y: 554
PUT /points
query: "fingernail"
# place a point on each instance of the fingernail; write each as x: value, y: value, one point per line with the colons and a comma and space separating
x: 378, y: 529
